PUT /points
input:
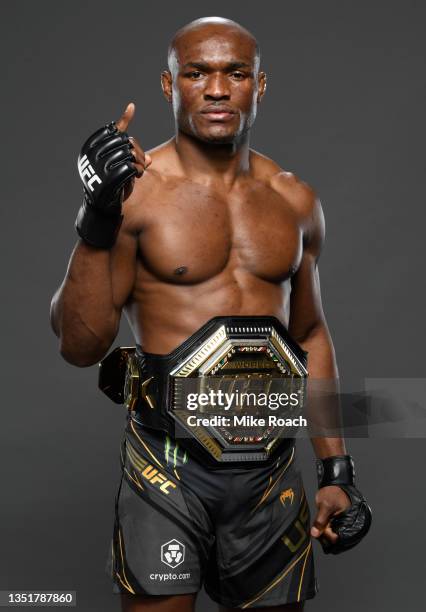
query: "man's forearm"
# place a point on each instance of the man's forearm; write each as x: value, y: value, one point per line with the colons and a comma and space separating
x: 328, y: 447
x: 323, y: 394
x: 82, y: 312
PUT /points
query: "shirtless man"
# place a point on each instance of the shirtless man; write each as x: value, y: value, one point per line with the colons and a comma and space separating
x: 206, y: 227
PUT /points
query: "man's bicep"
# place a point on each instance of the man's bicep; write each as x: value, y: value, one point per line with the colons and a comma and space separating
x: 306, y: 310
x: 123, y: 267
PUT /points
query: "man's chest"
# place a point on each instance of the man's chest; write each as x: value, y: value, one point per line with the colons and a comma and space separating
x: 191, y: 234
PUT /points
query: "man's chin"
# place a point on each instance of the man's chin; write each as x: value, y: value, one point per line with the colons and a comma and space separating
x: 218, y: 137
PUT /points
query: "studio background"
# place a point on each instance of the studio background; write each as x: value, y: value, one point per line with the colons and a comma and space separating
x: 344, y: 110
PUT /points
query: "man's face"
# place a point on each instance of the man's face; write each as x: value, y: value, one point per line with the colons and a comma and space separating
x: 214, y: 85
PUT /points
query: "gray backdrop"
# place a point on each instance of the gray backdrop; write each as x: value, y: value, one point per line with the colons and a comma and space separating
x: 345, y: 111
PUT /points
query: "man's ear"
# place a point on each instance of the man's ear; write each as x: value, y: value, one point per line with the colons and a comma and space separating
x: 166, y: 84
x: 261, y: 84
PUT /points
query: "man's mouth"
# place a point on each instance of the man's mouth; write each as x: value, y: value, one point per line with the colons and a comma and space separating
x: 218, y: 113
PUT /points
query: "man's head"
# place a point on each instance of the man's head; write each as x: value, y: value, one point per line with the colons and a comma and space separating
x: 213, y: 80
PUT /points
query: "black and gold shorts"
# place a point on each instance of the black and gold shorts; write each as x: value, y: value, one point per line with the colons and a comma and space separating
x: 243, y: 532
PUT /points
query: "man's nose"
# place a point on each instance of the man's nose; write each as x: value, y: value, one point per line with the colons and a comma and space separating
x: 217, y: 88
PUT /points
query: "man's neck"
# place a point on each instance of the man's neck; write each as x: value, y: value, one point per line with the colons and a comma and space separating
x: 209, y: 162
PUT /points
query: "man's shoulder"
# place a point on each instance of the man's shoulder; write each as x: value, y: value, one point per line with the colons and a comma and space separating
x: 160, y: 172
x: 295, y: 191
x: 164, y: 161
x: 138, y: 207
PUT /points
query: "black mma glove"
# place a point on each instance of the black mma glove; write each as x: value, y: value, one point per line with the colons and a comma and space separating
x: 104, y: 165
x: 352, y: 524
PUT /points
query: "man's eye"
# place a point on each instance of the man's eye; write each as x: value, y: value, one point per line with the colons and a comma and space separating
x: 195, y: 74
x: 238, y: 75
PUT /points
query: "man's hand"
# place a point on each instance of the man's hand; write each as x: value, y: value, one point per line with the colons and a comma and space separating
x: 343, y: 516
x: 108, y: 163
x: 330, y: 501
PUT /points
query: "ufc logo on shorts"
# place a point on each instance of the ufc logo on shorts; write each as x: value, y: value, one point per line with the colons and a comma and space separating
x: 87, y: 173
x: 173, y: 553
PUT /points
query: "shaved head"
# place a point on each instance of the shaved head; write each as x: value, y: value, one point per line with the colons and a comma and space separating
x: 215, y: 26
x: 213, y: 80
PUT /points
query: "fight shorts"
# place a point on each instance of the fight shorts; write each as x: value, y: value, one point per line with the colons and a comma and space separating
x: 243, y: 533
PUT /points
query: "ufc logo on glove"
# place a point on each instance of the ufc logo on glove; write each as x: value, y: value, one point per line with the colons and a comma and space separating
x: 86, y: 172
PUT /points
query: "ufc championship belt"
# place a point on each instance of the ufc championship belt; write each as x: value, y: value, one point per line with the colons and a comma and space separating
x: 207, y: 392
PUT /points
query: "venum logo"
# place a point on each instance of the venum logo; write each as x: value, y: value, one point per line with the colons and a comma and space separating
x: 287, y: 495
x: 173, y: 553
x: 87, y: 174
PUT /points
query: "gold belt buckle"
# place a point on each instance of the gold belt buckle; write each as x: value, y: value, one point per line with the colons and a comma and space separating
x: 248, y: 356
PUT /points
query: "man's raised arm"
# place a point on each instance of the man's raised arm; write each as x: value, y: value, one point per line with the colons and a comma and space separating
x: 86, y: 309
